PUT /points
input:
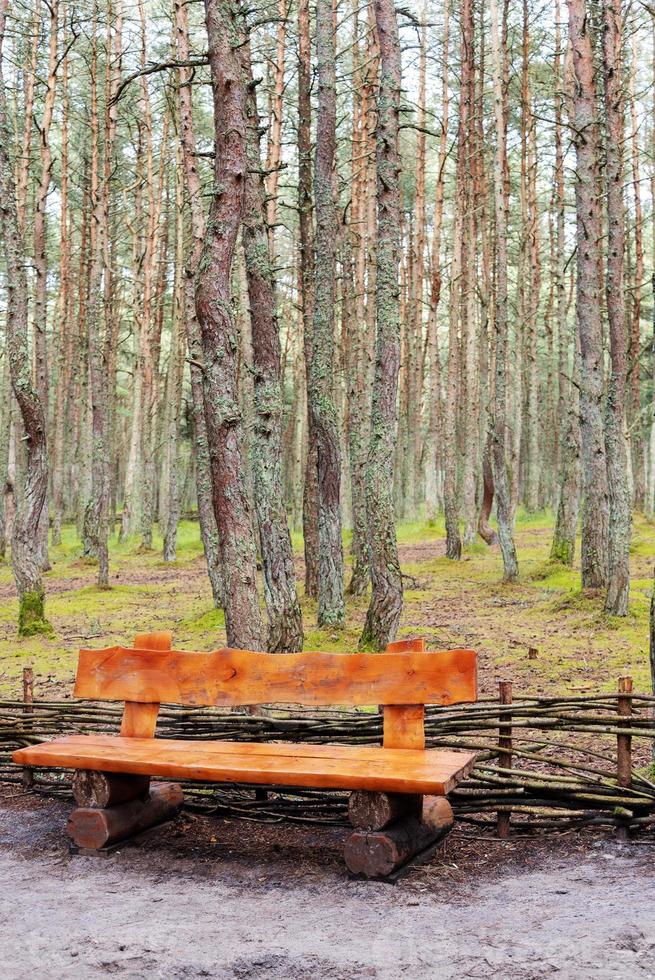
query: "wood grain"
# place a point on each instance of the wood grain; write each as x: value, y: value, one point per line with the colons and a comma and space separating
x: 404, y: 726
x: 140, y: 719
x: 154, y: 641
x: 432, y: 771
x: 239, y: 677
x: 416, y: 644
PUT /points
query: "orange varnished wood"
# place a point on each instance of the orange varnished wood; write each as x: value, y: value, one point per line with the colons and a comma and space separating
x: 154, y: 641
x: 140, y: 718
x: 404, y: 726
x: 432, y: 771
x: 417, y: 644
x: 237, y: 677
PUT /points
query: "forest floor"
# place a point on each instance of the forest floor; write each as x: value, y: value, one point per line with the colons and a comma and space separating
x: 578, y: 648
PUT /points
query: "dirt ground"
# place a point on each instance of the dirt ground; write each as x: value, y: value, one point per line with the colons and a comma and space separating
x: 208, y: 897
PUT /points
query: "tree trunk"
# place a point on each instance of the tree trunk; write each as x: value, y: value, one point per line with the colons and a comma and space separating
x: 25, y: 545
x: 433, y: 451
x: 501, y: 319
x: 331, y: 609
x: 386, y: 604
x: 96, y: 516
x: 354, y: 267
x: 451, y: 494
x: 568, y: 407
x: 620, y: 518
x: 40, y: 246
x: 64, y: 332
x: 633, y: 396
x: 285, y: 632
x: 306, y: 231
x: 220, y: 342
x: 206, y: 516
x: 175, y: 375
x: 595, y: 508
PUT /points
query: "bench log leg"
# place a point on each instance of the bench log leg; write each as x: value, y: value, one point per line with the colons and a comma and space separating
x: 378, y: 853
x: 375, y: 811
x: 106, y: 789
x: 95, y: 828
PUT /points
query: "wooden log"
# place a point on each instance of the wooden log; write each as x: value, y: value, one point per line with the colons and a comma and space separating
x: 378, y: 853
x: 368, y: 810
x: 437, y: 813
x: 103, y: 789
x: 93, y: 828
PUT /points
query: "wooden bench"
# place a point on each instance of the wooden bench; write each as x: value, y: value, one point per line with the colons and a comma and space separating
x: 388, y: 783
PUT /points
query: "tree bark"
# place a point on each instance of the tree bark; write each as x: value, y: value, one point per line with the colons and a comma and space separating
x: 306, y: 234
x: 285, y: 633
x: 175, y: 376
x: 25, y: 544
x: 433, y: 450
x: 386, y: 604
x: 331, y: 609
x: 96, y: 515
x: 595, y: 508
x: 501, y: 319
x: 620, y: 517
x: 40, y: 318
x: 206, y: 516
x: 568, y: 407
x: 219, y: 336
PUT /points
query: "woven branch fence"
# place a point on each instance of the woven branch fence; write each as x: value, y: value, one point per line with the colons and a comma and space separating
x: 550, y: 762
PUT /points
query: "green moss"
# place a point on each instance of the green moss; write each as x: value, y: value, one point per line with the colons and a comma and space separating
x: 31, y: 615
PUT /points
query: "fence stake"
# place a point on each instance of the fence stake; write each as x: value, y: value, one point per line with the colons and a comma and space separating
x: 28, y: 689
x: 27, y: 776
x: 624, y: 742
x: 505, y: 746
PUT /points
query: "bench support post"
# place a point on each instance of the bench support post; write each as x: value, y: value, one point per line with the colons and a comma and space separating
x: 106, y: 789
x: 93, y: 828
x: 380, y: 853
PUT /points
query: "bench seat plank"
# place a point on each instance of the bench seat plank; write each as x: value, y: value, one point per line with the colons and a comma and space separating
x: 430, y: 771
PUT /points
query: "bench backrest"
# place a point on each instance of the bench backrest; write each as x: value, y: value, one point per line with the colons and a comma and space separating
x: 402, y: 679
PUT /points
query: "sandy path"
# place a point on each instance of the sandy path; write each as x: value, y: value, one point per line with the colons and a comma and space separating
x: 155, y: 913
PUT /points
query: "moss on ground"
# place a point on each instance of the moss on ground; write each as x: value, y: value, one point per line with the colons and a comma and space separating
x: 465, y: 603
